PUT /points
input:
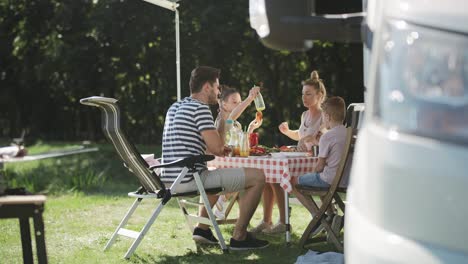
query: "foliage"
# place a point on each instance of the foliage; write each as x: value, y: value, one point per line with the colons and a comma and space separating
x: 56, y: 52
x: 100, y: 171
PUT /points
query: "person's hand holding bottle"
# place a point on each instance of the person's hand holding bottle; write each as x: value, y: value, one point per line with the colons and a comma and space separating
x: 253, y: 92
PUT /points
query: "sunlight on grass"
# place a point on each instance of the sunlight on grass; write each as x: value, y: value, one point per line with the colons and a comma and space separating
x: 78, y: 226
x: 41, y: 147
x: 87, y: 200
x: 89, y: 172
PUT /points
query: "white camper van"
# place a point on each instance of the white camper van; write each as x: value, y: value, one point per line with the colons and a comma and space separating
x: 408, y: 197
x: 407, y: 202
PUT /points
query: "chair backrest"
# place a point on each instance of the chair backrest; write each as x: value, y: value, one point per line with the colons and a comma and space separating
x: 354, y: 115
x: 354, y: 119
x: 346, y: 159
x: 110, y: 114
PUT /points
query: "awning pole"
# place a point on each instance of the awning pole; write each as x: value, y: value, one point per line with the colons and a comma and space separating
x: 172, y: 6
x: 177, y: 52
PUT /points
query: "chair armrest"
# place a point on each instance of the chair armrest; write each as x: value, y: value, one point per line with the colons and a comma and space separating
x: 186, y: 162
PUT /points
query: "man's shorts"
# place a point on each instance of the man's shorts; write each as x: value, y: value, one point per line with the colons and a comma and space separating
x: 313, y: 179
x: 230, y: 179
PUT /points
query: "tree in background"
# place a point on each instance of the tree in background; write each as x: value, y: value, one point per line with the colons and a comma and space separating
x: 56, y: 52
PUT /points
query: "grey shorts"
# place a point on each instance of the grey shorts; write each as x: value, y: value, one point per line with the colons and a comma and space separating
x: 230, y: 179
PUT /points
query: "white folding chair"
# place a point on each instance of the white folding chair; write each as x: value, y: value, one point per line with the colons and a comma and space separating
x: 151, y: 184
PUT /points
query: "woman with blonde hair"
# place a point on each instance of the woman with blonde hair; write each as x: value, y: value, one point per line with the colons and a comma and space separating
x: 313, y: 96
x: 312, y: 125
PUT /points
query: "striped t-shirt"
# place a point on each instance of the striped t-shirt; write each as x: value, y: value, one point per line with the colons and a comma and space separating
x: 185, y: 120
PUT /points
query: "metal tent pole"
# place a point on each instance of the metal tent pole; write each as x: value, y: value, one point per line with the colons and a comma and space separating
x: 172, y: 6
x: 177, y: 31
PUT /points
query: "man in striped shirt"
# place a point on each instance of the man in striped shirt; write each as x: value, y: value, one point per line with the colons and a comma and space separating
x: 189, y: 130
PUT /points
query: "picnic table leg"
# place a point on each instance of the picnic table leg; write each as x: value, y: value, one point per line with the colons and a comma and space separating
x: 286, y: 218
x: 26, y: 240
x: 40, y: 236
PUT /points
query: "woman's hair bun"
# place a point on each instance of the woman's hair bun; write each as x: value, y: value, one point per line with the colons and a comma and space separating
x: 314, y: 75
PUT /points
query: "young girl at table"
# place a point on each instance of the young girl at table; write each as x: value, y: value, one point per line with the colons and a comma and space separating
x: 231, y: 106
x: 313, y: 95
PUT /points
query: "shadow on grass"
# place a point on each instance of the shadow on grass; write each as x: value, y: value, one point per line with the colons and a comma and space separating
x: 273, y: 254
x: 277, y: 252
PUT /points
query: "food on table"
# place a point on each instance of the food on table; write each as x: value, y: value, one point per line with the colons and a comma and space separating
x: 287, y: 149
x: 270, y: 150
x: 261, y: 150
x: 257, y: 151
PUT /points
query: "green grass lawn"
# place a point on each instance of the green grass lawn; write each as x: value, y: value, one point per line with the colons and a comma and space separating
x: 87, y: 172
x: 86, y: 199
x: 78, y: 226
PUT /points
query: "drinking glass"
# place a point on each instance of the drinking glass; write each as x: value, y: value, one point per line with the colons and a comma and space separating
x: 244, y: 144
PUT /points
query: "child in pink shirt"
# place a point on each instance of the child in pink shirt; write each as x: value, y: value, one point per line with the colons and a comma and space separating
x: 331, y: 146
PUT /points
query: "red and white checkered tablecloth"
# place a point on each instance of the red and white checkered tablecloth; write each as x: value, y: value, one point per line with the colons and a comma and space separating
x: 277, y: 170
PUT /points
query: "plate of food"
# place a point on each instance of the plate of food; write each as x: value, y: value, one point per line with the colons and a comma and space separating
x: 258, y: 151
x: 278, y: 155
x: 288, y: 148
x: 295, y: 154
x: 261, y: 150
x: 288, y: 154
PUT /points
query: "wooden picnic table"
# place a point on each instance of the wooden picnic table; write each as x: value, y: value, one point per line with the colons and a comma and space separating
x: 24, y: 207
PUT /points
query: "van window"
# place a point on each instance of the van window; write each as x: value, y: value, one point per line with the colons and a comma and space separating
x: 422, y: 81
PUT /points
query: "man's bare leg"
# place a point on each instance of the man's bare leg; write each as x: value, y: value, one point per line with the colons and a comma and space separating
x: 248, y: 201
x: 202, y: 210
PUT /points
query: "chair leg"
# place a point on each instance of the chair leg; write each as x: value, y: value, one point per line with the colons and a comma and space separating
x: 123, y: 223
x: 144, y: 230
x: 318, y: 219
x: 137, y: 236
x: 234, y: 199
x: 335, y: 240
x: 333, y: 235
x: 313, y: 224
x: 339, y: 201
x: 212, y: 217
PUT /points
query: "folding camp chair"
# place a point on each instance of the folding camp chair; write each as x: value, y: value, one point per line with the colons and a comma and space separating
x: 354, y: 115
x: 192, y: 219
x: 151, y: 184
x: 328, y: 196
